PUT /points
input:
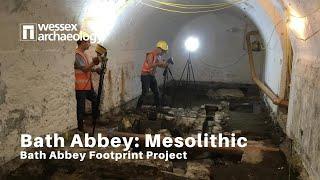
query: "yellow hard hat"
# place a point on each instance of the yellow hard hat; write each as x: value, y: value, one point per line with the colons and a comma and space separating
x: 100, y: 49
x: 163, y: 45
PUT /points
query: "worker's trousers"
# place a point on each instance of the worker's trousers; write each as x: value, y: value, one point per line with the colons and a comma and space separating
x: 81, y: 97
x: 149, y: 82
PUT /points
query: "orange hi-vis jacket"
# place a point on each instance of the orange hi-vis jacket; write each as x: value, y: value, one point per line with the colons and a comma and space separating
x: 83, y: 79
x: 146, y: 69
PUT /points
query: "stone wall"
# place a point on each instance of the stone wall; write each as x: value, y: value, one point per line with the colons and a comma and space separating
x: 37, y: 78
x: 36, y: 89
x: 304, y: 117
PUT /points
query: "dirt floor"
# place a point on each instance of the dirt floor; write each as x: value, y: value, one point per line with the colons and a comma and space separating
x: 240, y: 110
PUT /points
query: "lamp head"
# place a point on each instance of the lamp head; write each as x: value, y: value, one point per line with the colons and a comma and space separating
x: 191, y: 44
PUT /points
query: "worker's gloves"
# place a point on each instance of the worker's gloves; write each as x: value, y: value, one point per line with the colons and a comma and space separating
x: 96, y: 61
x: 103, y: 58
x: 163, y: 64
x: 98, y: 70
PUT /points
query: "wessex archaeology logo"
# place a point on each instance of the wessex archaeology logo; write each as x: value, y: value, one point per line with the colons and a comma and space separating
x: 28, y: 32
x: 53, y: 32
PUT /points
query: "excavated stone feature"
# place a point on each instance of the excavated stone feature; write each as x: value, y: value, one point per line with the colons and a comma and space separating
x: 126, y: 124
x: 225, y: 93
x: 208, y: 118
x: 128, y: 121
x: 221, y: 115
x: 237, y: 93
x: 169, y: 118
x: 164, y: 132
x: 252, y: 156
x: 197, y: 170
x: 216, y: 129
x: 198, y: 125
x: 191, y: 121
x: 186, y: 123
x: 224, y: 105
x: 179, y: 171
x: 148, y: 131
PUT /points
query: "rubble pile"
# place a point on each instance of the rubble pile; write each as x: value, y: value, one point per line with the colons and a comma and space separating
x: 197, y: 170
x: 184, y: 122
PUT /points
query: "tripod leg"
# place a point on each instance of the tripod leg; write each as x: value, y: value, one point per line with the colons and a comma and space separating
x: 183, y: 72
x: 188, y: 76
x: 194, y: 80
x: 173, y: 93
x: 163, y: 92
x: 165, y: 78
x: 188, y: 85
x: 170, y: 74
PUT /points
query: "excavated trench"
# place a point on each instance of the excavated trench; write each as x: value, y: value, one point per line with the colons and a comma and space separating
x: 212, y: 108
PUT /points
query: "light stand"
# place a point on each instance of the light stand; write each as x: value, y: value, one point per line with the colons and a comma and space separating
x: 189, y: 71
x: 186, y: 84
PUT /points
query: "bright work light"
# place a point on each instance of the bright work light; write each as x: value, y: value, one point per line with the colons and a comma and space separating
x: 192, y: 44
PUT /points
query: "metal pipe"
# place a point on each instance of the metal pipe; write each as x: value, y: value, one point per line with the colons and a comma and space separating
x: 274, y: 98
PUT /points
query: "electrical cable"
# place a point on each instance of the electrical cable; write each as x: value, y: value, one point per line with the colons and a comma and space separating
x: 225, y: 66
x: 199, y: 6
x: 193, y: 5
x: 274, y: 29
x: 216, y: 7
x: 189, y: 12
x: 188, y: 6
x: 182, y: 12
